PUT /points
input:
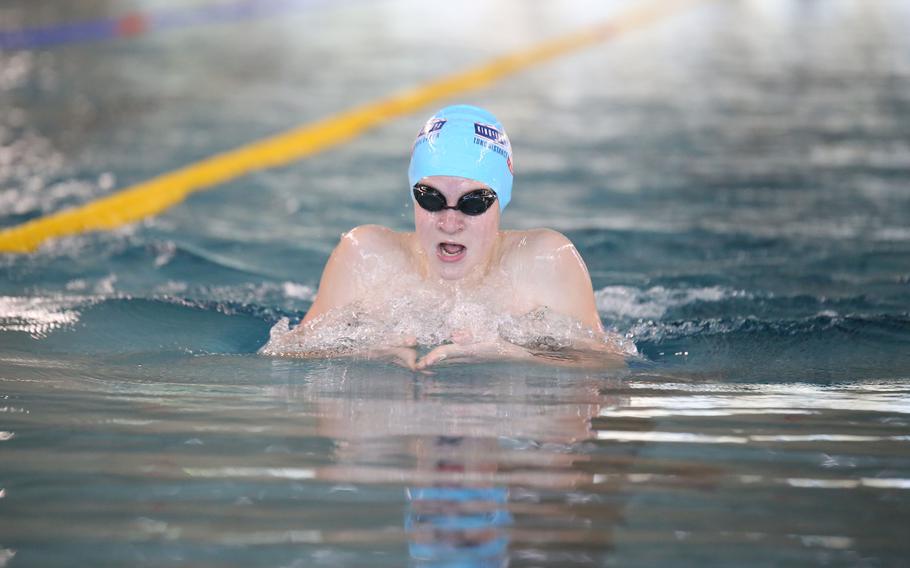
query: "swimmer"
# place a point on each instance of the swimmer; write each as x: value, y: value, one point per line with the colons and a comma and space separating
x: 458, y: 261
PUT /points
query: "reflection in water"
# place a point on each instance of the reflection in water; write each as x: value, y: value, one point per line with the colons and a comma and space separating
x: 320, y: 463
x: 455, y: 523
x: 469, y: 443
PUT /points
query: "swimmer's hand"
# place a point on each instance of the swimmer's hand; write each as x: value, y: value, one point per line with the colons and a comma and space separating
x: 473, y: 353
x: 401, y: 352
x: 585, y: 355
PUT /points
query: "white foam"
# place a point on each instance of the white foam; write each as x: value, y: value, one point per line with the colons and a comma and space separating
x: 15, y: 69
x: 298, y: 291
x: 286, y: 295
x: 105, y: 286
x: 628, y: 302
x: 429, y: 319
x: 28, y: 164
x: 38, y: 316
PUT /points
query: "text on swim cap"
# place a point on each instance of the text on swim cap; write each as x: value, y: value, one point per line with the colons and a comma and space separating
x: 432, y: 125
x: 496, y: 148
x: 491, y: 133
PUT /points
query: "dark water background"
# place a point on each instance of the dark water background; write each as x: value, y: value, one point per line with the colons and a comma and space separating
x: 735, y: 177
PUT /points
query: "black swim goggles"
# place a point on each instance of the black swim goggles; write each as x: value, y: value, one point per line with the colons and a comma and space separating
x: 471, y: 203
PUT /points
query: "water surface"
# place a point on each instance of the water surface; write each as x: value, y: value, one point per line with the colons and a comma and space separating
x: 734, y: 177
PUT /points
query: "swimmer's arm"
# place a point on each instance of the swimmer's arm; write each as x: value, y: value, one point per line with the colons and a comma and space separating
x: 583, y: 356
x: 560, y: 281
x: 340, y: 282
x: 499, y: 350
x: 341, y: 285
x: 562, y: 284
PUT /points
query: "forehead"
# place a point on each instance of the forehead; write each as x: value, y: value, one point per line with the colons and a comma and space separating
x: 453, y: 185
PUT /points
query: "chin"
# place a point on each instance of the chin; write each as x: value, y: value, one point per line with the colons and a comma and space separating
x: 454, y: 270
x: 449, y: 272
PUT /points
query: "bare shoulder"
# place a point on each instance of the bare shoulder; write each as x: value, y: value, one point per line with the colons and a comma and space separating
x: 364, y: 256
x: 368, y: 247
x: 369, y: 238
x: 371, y: 234
x: 537, y: 245
x: 547, y: 268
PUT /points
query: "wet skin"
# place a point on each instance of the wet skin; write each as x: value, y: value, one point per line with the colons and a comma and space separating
x: 459, y: 255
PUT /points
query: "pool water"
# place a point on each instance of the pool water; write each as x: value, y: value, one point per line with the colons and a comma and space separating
x: 735, y: 177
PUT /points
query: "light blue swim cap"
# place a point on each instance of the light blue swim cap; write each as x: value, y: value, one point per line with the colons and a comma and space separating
x: 464, y: 141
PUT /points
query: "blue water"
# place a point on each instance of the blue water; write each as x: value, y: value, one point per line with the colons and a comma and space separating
x: 735, y: 178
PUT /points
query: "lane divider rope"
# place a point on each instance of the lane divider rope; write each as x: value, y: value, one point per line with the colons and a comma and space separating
x: 160, y: 193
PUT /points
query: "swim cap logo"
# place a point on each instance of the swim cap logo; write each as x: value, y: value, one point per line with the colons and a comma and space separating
x: 433, y: 125
x: 491, y: 134
x: 492, y: 138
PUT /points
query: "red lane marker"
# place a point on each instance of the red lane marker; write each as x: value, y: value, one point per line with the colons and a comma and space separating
x: 132, y: 25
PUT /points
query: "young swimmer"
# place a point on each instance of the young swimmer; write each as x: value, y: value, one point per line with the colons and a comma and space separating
x: 457, y: 283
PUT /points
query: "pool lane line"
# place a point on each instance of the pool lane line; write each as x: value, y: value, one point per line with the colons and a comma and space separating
x: 162, y: 192
x: 139, y: 23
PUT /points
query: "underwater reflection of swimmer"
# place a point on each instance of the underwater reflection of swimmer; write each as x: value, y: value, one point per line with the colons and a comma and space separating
x: 457, y: 286
x: 455, y: 524
x: 495, y: 467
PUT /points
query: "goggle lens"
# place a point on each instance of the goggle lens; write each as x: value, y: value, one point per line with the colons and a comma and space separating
x: 472, y: 203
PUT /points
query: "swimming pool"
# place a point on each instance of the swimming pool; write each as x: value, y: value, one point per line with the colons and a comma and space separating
x: 734, y: 175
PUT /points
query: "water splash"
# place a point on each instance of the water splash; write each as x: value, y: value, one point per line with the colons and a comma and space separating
x: 38, y: 316
x: 430, y: 319
x: 629, y: 302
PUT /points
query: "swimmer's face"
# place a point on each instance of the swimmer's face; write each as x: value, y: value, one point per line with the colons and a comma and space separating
x: 456, y: 244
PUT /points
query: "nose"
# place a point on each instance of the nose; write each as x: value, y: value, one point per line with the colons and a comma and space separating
x: 450, y: 221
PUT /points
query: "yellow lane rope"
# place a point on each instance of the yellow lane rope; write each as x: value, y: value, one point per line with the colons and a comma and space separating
x: 157, y: 194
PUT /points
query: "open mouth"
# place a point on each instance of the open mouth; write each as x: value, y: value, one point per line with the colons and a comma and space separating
x: 450, y: 252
